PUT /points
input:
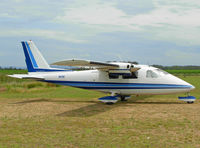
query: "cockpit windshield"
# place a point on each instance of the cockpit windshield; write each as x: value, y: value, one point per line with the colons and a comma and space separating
x: 151, y: 74
x: 161, y: 71
x: 155, y: 73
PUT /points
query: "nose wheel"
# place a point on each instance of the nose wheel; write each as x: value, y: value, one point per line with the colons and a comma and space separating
x: 189, y: 99
x: 190, y: 102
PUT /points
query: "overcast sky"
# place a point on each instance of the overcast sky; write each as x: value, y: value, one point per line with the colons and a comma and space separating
x: 165, y: 32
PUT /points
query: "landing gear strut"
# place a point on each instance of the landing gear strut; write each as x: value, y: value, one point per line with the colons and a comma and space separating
x: 124, y: 98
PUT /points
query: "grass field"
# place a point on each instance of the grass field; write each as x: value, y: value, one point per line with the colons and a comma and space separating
x: 184, y: 72
x: 35, y: 114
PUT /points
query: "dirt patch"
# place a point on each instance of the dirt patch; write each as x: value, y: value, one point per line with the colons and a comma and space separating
x: 3, y: 89
x: 154, y: 124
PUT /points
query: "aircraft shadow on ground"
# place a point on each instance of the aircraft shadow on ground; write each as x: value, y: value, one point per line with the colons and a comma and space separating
x: 95, y: 107
x: 32, y: 101
x: 87, y: 111
x: 140, y: 100
x: 51, y: 100
x: 98, y: 107
x: 92, y: 109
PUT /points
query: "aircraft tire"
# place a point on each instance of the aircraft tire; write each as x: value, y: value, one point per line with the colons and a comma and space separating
x: 109, y: 103
x: 190, y: 102
x: 123, y: 98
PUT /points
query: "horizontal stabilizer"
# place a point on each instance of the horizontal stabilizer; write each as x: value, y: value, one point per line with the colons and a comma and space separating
x: 25, y: 76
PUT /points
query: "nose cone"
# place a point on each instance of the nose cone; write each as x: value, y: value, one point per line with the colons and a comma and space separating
x: 188, y: 85
x: 185, y: 86
x: 192, y: 87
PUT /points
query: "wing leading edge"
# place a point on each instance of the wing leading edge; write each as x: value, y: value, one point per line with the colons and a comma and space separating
x: 110, y: 67
x: 86, y: 63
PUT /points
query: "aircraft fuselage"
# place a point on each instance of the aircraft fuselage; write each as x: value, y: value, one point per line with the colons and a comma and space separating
x: 100, y: 80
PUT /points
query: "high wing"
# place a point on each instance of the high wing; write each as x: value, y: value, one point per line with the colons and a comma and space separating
x: 109, y: 67
x: 86, y: 63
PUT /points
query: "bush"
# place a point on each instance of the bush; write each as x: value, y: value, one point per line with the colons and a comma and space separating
x: 33, y: 85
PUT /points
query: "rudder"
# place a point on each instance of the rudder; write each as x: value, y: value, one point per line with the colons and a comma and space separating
x: 34, y: 59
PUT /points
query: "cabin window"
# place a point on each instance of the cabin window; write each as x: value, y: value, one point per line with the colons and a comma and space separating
x: 151, y: 74
x: 113, y: 76
x: 133, y: 75
x: 162, y: 71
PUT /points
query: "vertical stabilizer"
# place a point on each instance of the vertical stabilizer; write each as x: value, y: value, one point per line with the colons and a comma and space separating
x: 34, y: 59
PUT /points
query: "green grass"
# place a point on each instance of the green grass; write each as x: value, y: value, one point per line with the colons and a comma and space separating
x: 184, y: 72
x: 36, y: 114
x: 9, y: 72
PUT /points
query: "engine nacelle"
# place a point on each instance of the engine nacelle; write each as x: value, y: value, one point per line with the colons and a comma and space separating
x: 124, y: 68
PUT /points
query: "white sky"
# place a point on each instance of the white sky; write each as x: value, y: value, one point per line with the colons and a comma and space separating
x: 148, y: 31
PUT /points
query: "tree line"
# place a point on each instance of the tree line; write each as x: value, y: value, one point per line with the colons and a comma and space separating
x: 188, y: 67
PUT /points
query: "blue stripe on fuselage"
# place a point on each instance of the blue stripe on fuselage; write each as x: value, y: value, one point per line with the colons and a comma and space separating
x: 129, y: 87
x: 50, y: 70
x: 110, y: 85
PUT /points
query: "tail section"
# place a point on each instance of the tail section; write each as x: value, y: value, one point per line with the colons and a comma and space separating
x: 34, y: 60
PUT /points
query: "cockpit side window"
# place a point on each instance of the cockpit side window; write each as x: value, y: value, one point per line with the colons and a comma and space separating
x: 113, y: 76
x: 151, y: 74
x: 133, y: 75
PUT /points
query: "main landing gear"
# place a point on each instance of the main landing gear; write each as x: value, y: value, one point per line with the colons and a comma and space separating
x: 113, y: 99
x: 124, y: 98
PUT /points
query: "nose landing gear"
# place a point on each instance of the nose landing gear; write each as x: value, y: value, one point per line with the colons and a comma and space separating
x: 189, y: 99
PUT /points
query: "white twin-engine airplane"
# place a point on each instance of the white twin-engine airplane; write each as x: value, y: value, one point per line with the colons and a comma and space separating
x: 117, y: 78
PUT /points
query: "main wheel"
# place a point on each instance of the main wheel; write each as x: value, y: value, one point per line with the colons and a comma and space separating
x: 123, y: 98
x: 190, y: 102
x: 109, y: 103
